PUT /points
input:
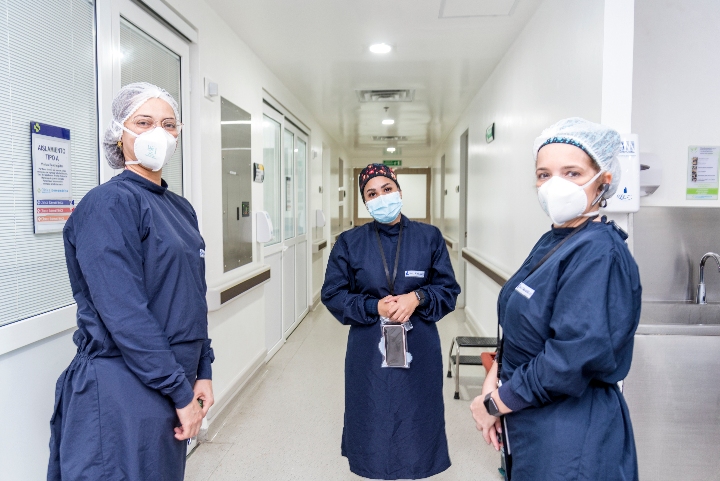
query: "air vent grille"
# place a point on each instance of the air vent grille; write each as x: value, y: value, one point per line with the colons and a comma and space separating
x: 387, y: 95
x: 387, y: 138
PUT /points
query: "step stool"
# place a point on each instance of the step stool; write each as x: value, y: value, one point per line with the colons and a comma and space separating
x: 474, y: 360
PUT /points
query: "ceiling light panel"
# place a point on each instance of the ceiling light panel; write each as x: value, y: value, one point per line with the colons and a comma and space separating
x: 388, y: 151
x: 380, y: 48
x: 388, y: 122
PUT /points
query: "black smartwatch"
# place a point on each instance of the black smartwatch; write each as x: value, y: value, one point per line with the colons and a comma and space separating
x: 491, y: 407
x: 420, y: 296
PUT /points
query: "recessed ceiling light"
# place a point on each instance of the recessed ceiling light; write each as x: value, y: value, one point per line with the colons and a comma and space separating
x: 380, y: 48
x: 388, y: 122
x: 391, y: 149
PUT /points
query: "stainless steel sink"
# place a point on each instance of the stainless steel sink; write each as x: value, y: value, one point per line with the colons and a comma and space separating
x: 679, y: 312
x: 673, y: 393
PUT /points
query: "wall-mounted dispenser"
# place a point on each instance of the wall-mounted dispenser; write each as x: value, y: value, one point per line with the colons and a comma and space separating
x: 319, y: 218
x: 264, y: 228
x: 211, y: 89
x: 627, y: 197
x: 650, y: 174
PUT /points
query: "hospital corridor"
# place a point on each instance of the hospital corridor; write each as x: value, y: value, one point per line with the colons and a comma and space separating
x: 374, y: 239
x: 297, y: 403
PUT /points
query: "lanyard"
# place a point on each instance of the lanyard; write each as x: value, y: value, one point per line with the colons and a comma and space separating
x: 537, y: 266
x: 391, y: 282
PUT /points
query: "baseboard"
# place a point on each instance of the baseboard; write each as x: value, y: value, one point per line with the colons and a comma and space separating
x: 219, y: 411
x: 316, y: 301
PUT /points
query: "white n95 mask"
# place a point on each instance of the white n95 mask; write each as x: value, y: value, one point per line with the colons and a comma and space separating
x: 152, y: 148
x: 563, y: 200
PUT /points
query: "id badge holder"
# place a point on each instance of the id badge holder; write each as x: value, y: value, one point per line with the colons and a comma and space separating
x: 393, y: 344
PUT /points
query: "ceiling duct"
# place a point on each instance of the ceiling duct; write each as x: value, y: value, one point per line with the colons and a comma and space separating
x: 387, y: 95
x: 388, y: 138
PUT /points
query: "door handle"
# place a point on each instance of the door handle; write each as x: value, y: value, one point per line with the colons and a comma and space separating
x: 285, y: 248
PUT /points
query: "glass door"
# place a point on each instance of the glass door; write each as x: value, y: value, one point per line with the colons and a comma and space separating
x: 273, y: 250
x: 295, y: 239
x: 302, y: 244
x: 288, y: 229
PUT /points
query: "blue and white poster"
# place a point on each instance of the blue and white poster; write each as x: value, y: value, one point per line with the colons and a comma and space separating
x: 52, y: 177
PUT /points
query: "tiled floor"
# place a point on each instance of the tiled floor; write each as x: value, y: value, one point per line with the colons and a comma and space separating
x: 287, y: 424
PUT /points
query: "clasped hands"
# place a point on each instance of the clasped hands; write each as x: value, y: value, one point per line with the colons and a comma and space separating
x: 191, y: 416
x: 398, y: 308
x: 489, y: 425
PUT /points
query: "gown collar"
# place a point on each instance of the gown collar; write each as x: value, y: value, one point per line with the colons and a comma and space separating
x: 391, y: 230
x: 147, y: 184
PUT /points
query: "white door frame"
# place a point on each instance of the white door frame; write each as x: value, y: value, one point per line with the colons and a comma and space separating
x: 108, y: 60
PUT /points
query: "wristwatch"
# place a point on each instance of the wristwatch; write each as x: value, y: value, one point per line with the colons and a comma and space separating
x: 491, y: 407
x: 420, y: 296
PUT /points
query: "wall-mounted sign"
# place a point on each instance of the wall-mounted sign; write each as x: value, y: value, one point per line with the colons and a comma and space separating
x: 52, y: 179
x: 702, y: 175
x: 490, y: 133
x: 258, y: 173
x: 393, y: 163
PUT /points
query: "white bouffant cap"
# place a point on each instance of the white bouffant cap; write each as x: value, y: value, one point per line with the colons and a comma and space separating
x: 126, y: 103
x: 601, y: 143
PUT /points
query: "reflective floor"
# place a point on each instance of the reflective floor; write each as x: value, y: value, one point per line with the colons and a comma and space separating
x: 287, y: 423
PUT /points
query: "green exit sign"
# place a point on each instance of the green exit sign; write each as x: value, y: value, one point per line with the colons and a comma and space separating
x: 393, y: 163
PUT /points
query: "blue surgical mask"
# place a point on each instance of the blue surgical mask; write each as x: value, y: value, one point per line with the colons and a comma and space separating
x: 385, y: 208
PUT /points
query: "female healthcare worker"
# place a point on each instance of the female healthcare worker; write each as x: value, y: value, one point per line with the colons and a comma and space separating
x: 129, y: 400
x: 399, y: 270
x: 568, y: 317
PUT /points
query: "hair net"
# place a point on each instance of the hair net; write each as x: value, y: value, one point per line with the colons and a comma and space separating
x: 601, y: 143
x: 125, y: 103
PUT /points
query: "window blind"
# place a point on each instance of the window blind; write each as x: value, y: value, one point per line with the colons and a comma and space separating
x: 47, y: 74
x: 144, y: 59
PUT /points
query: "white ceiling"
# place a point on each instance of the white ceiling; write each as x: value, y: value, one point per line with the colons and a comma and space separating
x: 319, y: 50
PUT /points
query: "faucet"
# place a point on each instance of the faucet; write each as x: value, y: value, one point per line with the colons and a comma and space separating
x: 701, y: 286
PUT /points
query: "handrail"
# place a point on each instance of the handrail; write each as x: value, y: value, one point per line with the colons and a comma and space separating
x: 450, y: 242
x: 494, y: 273
x: 235, y: 285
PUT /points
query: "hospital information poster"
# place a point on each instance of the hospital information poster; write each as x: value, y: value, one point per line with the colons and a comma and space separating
x: 52, y: 180
x: 702, y: 180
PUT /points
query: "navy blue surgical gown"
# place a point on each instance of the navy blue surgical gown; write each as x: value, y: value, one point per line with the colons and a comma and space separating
x: 394, y: 417
x: 568, y: 341
x: 137, y: 271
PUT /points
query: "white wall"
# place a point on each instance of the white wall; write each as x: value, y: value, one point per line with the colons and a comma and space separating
x: 29, y: 373
x: 552, y: 71
x: 676, y: 99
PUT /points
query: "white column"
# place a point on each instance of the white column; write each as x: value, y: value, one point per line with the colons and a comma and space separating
x: 617, y: 80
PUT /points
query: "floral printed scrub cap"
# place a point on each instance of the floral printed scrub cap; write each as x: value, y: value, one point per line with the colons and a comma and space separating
x: 375, y: 170
x: 601, y: 143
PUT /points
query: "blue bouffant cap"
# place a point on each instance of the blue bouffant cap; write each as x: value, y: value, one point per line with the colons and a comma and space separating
x: 601, y: 143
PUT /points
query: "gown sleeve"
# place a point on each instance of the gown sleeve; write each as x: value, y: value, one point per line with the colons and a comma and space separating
x: 442, y: 290
x: 110, y: 254
x: 347, y: 307
x: 593, y: 320
x: 207, y: 356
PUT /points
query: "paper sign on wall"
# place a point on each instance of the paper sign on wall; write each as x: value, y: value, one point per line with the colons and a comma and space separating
x: 52, y: 179
x: 702, y: 176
